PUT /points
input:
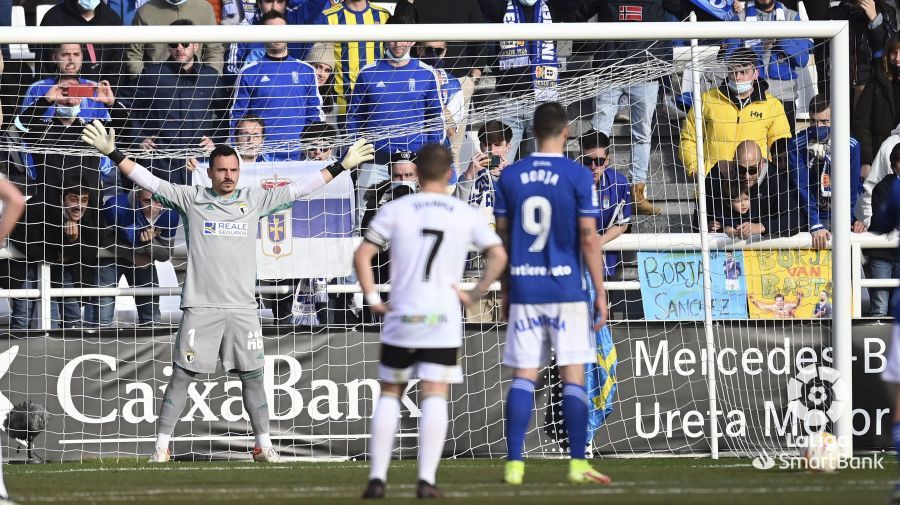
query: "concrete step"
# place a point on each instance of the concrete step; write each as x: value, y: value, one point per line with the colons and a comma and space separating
x: 663, y: 223
x: 658, y: 192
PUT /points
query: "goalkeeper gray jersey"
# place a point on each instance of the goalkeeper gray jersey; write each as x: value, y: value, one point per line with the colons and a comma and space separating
x: 221, y: 241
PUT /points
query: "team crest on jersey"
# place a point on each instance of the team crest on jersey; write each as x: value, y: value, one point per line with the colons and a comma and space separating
x: 412, y: 85
x: 189, y: 356
x: 295, y: 77
x: 242, y: 207
x: 277, y: 238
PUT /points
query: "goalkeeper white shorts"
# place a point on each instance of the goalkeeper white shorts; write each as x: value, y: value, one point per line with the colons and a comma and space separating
x: 891, y: 371
x: 536, y: 328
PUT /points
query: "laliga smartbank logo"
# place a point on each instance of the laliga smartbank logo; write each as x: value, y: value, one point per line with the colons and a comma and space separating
x: 817, y: 397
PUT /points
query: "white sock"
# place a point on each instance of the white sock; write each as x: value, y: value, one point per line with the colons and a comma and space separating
x: 384, y: 430
x: 263, y: 440
x: 432, y: 434
x: 162, y: 441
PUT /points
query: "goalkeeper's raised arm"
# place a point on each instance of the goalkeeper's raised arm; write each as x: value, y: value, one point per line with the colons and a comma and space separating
x: 104, y: 141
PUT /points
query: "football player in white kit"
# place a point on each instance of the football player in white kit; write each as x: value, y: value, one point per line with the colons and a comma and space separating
x: 430, y: 235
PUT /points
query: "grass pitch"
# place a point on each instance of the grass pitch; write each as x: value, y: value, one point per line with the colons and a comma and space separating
x: 657, y: 480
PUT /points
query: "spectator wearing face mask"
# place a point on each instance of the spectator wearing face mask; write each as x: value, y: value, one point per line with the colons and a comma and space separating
x: 780, y: 59
x: 295, y: 13
x: 67, y: 60
x: 740, y: 109
x: 462, y: 62
x: 60, y: 135
x: 280, y: 89
x: 403, y: 182
x: 810, y: 166
x: 397, y: 101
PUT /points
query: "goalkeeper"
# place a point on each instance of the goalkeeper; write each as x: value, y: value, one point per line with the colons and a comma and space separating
x: 219, y: 317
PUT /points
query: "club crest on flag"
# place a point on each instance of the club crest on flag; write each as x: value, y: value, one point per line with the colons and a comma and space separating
x: 277, y: 236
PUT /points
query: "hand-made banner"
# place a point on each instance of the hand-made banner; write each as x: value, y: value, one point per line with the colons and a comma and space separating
x: 314, y: 238
x: 789, y: 284
x: 672, y: 285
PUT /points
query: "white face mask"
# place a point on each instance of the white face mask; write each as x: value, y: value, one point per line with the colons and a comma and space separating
x: 68, y: 112
x: 527, y: 3
x: 389, y: 55
x: 176, y: 2
x: 740, y: 87
x: 88, y: 5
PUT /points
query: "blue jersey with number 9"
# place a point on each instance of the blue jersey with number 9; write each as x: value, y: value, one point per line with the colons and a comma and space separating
x: 542, y: 197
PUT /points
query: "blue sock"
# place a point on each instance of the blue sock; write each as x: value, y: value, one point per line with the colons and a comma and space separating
x: 576, y: 406
x: 896, y: 433
x: 519, y: 406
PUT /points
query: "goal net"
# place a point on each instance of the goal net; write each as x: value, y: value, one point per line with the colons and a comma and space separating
x: 715, y: 317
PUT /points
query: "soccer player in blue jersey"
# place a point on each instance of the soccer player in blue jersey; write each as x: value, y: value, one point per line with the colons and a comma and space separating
x: 546, y: 212
x: 885, y: 220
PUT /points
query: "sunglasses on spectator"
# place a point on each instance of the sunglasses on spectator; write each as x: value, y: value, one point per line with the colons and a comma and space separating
x: 175, y: 45
x: 751, y: 170
x: 594, y: 161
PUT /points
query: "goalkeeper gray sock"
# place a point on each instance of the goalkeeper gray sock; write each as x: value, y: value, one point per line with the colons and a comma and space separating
x: 256, y: 405
x: 173, y: 404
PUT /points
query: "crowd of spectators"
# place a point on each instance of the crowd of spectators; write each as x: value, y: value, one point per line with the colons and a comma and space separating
x: 766, y: 171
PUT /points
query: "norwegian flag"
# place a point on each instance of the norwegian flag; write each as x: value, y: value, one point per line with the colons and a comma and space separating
x: 631, y: 13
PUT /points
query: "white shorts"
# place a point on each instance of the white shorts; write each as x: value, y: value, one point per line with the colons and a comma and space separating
x: 891, y: 371
x: 534, y: 329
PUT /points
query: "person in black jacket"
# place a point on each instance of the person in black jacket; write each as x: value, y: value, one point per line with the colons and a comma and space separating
x: 178, y: 105
x: 56, y: 139
x: 772, y: 197
x: 872, y: 24
x: 104, y: 61
x: 878, y: 109
x: 68, y: 234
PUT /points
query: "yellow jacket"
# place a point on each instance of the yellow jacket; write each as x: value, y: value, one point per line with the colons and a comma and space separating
x: 725, y: 125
